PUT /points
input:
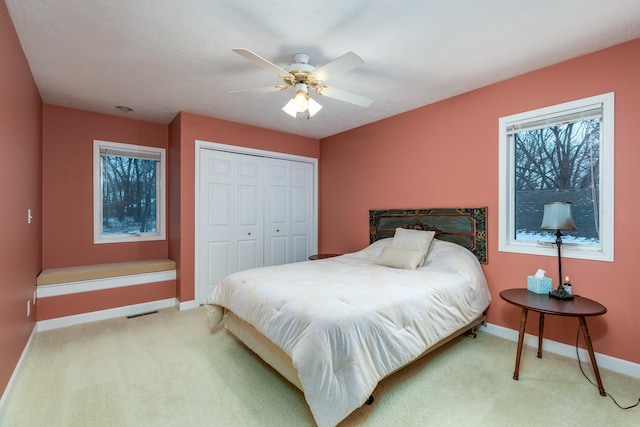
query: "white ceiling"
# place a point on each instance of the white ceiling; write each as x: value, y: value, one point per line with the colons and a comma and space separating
x: 160, y: 57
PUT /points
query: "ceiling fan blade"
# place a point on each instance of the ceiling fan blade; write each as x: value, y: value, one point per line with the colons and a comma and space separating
x: 343, y: 95
x: 259, y: 90
x: 258, y: 60
x: 341, y: 65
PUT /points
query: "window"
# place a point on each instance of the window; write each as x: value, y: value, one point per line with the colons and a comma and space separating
x: 559, y: 153
x: 128, y: 192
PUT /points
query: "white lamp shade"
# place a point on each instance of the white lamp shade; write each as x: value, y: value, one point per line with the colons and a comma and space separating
x: 557, y: 216
x: 290, y: 108
x: 314, y: 107
x: 300, y: 101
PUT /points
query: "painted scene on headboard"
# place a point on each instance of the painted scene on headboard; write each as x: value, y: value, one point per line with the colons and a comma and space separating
x: 464, y: 226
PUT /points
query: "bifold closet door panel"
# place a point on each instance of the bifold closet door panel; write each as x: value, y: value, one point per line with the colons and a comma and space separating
x: 249, y: 212
x: 277, y: 217
x: 302, y: 211
x: 232, y: 206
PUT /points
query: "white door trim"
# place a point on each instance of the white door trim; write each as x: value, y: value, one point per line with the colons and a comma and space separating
x: 200, y: 145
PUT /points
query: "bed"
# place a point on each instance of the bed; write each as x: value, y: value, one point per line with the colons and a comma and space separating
x: 335, y: 327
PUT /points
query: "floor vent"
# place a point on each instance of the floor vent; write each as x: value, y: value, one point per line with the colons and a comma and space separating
x: 142, y: 314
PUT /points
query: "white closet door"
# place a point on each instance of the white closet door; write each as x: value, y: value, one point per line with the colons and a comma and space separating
x: 302, y: 243
x: 232, y: 208
x: 253, y: 211
x: 277, y: 217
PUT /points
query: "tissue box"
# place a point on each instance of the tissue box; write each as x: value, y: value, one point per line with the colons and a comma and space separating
x: 539, y: 285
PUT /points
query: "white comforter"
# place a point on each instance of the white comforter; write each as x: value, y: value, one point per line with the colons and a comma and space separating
x: 347, y: 323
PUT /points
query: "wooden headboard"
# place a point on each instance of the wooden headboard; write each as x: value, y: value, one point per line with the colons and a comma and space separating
x: 464, y: 226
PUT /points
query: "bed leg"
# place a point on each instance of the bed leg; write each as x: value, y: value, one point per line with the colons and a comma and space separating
x: 471, y: 333
x: 369, y: 400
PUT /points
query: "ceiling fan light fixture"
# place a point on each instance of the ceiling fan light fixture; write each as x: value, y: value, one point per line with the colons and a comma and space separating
x: 300, y: 75
x: 301, y: 102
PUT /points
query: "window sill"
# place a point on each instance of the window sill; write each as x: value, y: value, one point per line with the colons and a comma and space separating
x: 550, y: 249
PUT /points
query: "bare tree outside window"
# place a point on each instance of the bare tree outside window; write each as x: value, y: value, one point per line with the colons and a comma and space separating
x: 128, y: 195
x: 558, y: 163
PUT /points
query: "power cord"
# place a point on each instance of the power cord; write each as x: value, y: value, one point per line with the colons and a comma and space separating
x: 594, y: 384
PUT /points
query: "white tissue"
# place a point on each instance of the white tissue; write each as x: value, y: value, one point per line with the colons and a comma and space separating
x: 540, y: 273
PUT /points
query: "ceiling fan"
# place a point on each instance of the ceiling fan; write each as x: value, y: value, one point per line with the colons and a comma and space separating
x: 304, y: 77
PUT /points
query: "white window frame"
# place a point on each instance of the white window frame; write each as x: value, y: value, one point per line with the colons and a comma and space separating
x: 507, y: 241
x: 161, y: 205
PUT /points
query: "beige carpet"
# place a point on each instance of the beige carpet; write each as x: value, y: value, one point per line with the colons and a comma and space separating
x: 168, y: 369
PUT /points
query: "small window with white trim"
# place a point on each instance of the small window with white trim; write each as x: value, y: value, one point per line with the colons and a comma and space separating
x: 128, y: 192
x: 562, y: 153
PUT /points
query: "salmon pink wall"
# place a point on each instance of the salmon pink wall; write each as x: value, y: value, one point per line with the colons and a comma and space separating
x: 20, y: 190
x: 185, y: 129
x: 446, y: 155
x: 86, y: 302
x: 67, y: 169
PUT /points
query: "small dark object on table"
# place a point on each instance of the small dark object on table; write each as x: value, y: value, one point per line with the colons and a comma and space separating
x: 561, y: 293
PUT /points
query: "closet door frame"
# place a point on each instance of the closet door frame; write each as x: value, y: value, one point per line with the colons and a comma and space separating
x: 199, y: 146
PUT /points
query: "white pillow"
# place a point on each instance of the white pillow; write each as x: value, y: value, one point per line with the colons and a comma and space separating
x: 411, y: 244
x: 417, y: 240
x: 399, y: 258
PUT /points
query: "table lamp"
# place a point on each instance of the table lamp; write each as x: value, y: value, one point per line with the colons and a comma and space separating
x: 557, y: 216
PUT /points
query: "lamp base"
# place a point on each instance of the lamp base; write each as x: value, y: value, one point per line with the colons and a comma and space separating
x: 561, y: 293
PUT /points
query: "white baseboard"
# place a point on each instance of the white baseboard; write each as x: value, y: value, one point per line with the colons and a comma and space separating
x: 620, y: 366
x: 129, y: 310
x: 17, y: 368
x: 187, y: 305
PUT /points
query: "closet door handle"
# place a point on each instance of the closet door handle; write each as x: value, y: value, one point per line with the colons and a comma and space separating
x: 249, y: 233
x: 277, y: 230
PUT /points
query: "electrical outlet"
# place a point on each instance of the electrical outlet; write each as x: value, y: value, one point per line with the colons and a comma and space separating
x: 28, y: 307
